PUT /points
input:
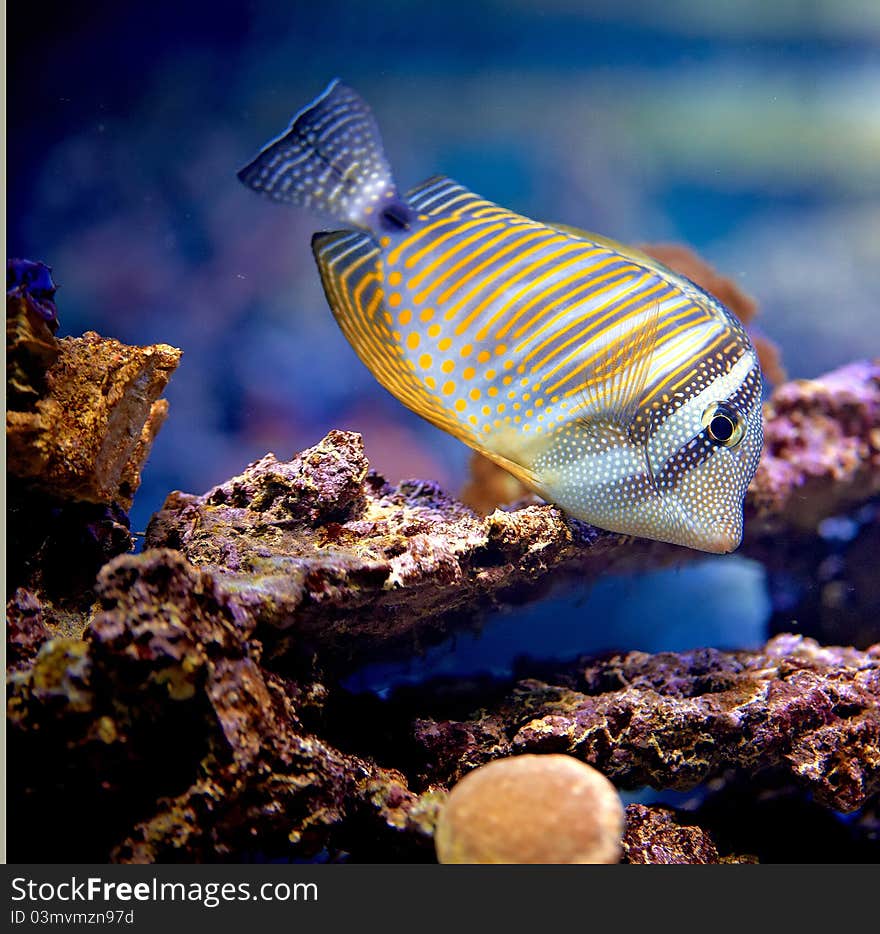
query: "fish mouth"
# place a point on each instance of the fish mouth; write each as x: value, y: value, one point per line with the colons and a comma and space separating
x: 719, y: 542
x: 717, y: 537
x: 714, y: 534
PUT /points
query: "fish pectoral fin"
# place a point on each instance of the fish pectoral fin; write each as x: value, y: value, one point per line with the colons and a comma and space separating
x: 615, y: 382
x: 522, y: 473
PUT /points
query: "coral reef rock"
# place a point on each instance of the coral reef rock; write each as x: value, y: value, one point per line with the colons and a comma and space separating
x: 186, y: 704
x: 821, y: 448
x: 82, y: 413
x: 677, y: 720
x: 162, y: 721
x: 326, y: 555
x: 655, y: 835
x: 95, y: 412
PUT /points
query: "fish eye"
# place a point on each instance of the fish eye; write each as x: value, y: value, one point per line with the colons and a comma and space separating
x: 723, y: 424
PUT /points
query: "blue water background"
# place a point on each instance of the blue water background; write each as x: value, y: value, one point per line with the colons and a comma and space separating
x: 749, y: 130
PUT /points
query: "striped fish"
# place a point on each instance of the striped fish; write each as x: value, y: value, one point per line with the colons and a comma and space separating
x: 611, y: 385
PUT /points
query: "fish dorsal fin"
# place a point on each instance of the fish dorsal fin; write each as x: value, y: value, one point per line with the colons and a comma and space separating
x: 350, y: 264
x: 615, y: 384
x: 630, y: 252
x: 441, y: 195
x: 687, y: 286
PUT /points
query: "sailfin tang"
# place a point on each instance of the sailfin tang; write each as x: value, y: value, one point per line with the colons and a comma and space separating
x: 330, y: 160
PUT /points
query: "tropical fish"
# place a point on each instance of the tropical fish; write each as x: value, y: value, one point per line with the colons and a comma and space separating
x: 609, y: 384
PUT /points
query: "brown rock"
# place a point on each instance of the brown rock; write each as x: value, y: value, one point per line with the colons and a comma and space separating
x: 164, y: 722
x: 216, y: 643
x: 31, y: 349
x: 332, y: 557
x: 329, y: 557
x: 821, y: 448
x: 88, y: 435
x: 25, y: 629
x: 56, y: 549
x: 676, y: 720
x: 82, y: 414
x: 653, y: 836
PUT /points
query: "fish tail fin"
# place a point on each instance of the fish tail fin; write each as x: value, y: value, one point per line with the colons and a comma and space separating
x: 330, y: 160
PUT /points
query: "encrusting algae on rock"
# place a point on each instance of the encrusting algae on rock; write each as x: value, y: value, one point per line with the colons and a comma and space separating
x: 810, y: 713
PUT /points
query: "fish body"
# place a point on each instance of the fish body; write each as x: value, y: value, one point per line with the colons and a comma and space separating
x: 611, y: 385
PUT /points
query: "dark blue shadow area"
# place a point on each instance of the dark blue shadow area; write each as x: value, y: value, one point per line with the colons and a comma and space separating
x: 719, y: 602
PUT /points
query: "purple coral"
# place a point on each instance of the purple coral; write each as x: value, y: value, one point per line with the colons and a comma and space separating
x: 33, y: 280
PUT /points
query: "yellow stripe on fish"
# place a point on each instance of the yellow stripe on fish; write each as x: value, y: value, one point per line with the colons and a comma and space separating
x: 613, y: 386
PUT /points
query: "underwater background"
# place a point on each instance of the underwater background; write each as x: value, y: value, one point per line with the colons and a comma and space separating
x: 750, y: 131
